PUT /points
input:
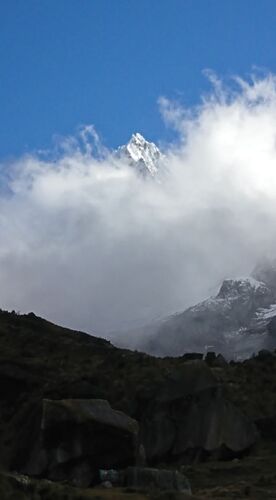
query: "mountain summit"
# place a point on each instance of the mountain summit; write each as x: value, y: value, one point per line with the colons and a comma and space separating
x: 141, y: 154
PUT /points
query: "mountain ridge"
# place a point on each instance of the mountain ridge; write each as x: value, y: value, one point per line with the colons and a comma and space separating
x: 237, y: 322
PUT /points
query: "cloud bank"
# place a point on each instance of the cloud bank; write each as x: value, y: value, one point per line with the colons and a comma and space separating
x: 88, y: 243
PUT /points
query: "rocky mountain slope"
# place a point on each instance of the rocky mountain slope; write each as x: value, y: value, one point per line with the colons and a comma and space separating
x: 238, y: 321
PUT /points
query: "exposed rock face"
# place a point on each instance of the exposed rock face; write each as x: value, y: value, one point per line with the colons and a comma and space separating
x: 75, y: 438
x: 234, y: 323
x: 189, y: 416
x: 142, y: 155
x: 148, y: 478
x: 41, y: 360
x: 183, y: 416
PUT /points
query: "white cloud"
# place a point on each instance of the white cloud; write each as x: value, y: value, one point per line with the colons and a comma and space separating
x: 88, y: 243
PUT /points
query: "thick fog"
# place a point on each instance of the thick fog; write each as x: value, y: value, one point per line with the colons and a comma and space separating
x: 89, y: 243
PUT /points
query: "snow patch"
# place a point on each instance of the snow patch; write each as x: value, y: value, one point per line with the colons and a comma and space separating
x: 266, y: 313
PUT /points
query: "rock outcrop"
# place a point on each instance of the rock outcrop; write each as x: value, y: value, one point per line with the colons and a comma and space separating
x: 187, y: 409
x: 156, y: 479
x: 189, y: 417
x: 72, y: 439
x: 143, y: 156
x: 184, y: 416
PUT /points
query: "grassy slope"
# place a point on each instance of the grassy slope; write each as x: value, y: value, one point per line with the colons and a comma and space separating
x: 39, y: 359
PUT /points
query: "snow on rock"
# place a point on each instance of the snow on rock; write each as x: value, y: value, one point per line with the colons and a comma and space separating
x: 266, y: 312
x: 233, y: 290
x: 234, y: 322
x: 141, y: 154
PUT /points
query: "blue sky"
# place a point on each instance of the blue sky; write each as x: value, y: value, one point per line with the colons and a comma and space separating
x: 100, y: 249
x: 64, y: 63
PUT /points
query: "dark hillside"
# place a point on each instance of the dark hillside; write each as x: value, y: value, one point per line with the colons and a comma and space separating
x: 39, y: 360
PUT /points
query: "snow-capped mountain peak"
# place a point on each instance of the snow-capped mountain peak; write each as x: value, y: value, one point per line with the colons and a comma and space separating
x: 236, y: 322
x: 141, y: 154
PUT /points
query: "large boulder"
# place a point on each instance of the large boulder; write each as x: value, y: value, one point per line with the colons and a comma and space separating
x: 189, y: 416
x: 156, y: 479
x: 72, y: 439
